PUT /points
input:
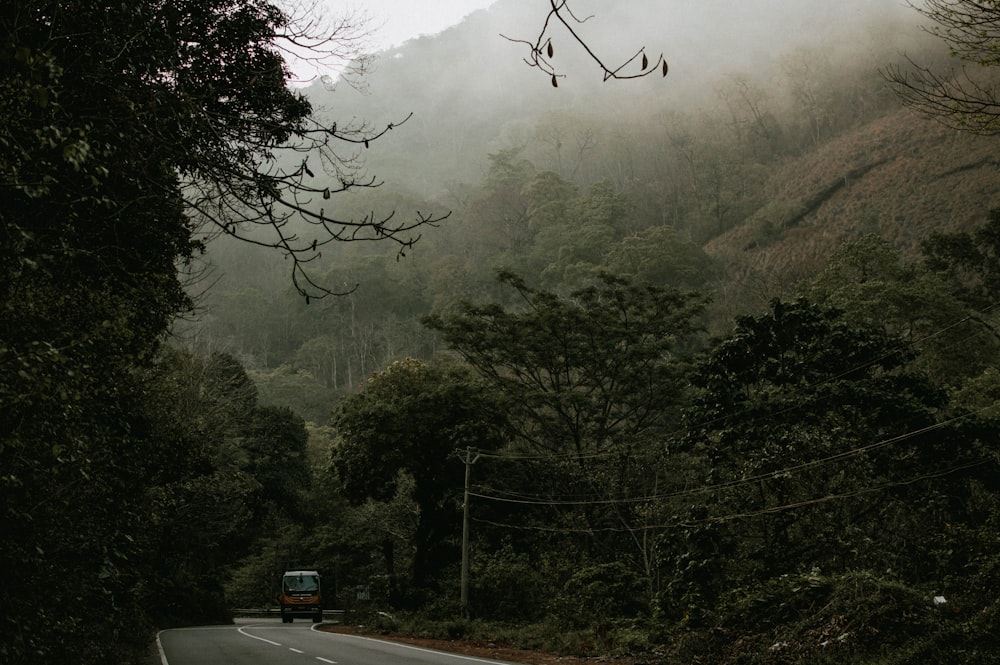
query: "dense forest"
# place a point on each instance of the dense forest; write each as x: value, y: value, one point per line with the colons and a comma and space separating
x: 710, y: 360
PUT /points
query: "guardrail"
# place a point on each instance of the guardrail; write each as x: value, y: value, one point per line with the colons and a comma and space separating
x: 276, y: 611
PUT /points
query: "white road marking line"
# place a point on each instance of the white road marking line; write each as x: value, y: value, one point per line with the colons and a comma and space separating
x: 240, y: 631
x: 296, y: 650
x: 326, y: 660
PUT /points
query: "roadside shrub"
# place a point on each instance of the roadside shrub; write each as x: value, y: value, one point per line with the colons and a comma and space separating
x: 506, y: 586
x: 856, y: 617
x: 595, y: 595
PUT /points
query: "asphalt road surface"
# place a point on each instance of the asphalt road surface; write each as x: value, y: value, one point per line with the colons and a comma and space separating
x: 270, y: 642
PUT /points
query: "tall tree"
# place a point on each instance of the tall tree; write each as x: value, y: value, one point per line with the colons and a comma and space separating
x: 662, y: 256
x: 405, y: 424
x: 211, y: 470
x: 824, y: 448
x: 125, y: 127
x: 273, y: 451
x: 584, y: 373
x: 592, y: 384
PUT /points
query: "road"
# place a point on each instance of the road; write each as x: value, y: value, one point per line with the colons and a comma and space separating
x: 270, y: 642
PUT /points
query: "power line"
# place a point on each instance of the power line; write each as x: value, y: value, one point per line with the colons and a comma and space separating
x: 545, y: 457
x: 744, y: 515
x: 527, y: 499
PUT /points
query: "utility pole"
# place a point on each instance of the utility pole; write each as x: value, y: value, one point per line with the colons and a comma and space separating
x: 469, y: 460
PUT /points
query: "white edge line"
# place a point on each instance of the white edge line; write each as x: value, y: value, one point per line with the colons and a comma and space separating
x: 437, y: 652
x: 159, y: 647
x: 262, y: 639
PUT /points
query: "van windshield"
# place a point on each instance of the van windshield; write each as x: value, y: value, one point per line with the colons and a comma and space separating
x: 301, y: 583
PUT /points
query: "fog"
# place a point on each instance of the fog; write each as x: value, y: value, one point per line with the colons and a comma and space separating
x: 752, y: 87
x: 472, y: 93
x: 698, y: 39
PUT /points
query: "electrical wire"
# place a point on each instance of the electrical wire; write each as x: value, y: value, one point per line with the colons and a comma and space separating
x: 518, y: 498
x: 526, y: 499
x: 744, y: 515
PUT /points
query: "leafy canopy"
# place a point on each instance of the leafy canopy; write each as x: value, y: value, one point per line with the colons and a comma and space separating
x: 582, y: 373
x: 405, y: 425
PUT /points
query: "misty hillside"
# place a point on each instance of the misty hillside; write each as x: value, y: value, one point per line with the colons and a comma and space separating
x: 629, y: 365
x: 773, y: 140
x: 471, y: 93
x: 900, y: 176
x: 870, y: 167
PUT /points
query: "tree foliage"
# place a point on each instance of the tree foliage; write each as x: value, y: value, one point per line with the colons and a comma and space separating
x: 823, y: 449
x: 585, y: 373
x: 971, y: 260
x: 186, y: 104
x: 591, y: 384
x: 218, y: 465
x: 406, y: 424
x: 126, y: 128
x: 813, y: 473
x: 919, y: 302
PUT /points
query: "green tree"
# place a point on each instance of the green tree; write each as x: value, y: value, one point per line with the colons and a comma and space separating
x: 502, y: 207
x: 297, y: 390
x: 274, y: 452
x: 660, y: 256
x: 868, y: 280
x: 970, y: 260
x: 574, y: 231
x: 126, y: 128
x: 218, y: 466
x: 591, y: 384
x: 406, y: 423
x: 585, y: 373
x: 824, y: 448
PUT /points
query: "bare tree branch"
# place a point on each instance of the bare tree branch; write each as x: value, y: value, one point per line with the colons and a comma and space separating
x: 254, y: 182
x: 542, y: 51
x: 969, y: 98
x: 315, y: 40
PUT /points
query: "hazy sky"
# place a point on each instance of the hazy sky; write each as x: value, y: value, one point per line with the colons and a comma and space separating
x: 406, y: 19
